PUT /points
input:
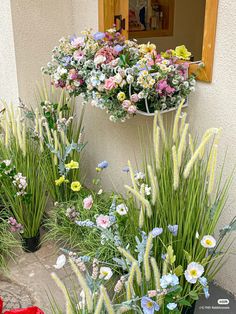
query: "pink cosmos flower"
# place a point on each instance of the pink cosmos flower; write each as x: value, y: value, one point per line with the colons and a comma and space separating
x: 78, y: 55
x: 103, y: 221
x: 88, y: 202
x: 132, y: 109
x: 134, y: 98
x: 110, y: 83
x: 73, y: 74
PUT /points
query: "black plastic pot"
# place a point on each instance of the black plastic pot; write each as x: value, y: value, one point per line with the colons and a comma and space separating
x: 31, y: 245
x: 189, y: 309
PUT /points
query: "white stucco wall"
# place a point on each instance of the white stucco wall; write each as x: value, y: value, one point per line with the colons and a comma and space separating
x: 37, y: 27
x: 8, y: 78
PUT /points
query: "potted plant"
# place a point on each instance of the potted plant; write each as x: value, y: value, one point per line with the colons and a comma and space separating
x: 23, y: 190
x: 119, y: 75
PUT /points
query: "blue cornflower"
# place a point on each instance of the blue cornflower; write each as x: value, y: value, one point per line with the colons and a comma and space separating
x: 118, y: 48
x: 171, y: 306
x: 173, y: 229
x: 102, y: 165
x: 204, y: 283
x: 169, y: 280
x: 99, y: 36
x: 156, y: 232
x: 149, y: 306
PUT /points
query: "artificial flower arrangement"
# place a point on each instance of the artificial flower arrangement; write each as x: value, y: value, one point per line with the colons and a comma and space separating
x: 23, y: 191
x: 120, y: 75
x: 171, y: 212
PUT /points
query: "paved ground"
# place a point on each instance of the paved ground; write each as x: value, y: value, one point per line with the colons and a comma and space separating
x: 31, y: 282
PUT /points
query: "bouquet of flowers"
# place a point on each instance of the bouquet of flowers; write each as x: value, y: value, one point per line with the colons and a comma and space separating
x: 120, y: 75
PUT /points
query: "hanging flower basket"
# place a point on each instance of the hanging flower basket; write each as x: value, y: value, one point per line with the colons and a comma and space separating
x: 119, y: 75
x: 151, y: 114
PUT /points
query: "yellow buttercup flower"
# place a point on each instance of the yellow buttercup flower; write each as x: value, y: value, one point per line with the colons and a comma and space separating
x: 182, y: 52
x: 76, y: 186
x: 72, y: 165
x: 147, y: 48
x: 121, y: 96
x: 61, y: 180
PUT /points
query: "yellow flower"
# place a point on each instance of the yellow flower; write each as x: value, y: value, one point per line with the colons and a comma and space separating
x: 72, y: 165
x: 98, y: 169
x: 182, y: 52
x: 76, y: 186
x: 147, y: 48
x: 121, y: 96
x: 61, y: 180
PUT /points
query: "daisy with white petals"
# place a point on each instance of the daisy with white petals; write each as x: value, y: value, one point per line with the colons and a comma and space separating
x: 105, y: 273
x: 208, y: 242
x: 193, y: 272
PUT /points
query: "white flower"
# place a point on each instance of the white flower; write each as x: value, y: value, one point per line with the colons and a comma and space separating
x: 99, y: 59
x: 118, y: 78
x: 61, y: 260
x: 193, y: 272
x: 100, y: 192
x: 7, y: 162
x: 197, y: 235
x: 208, y: 242
x: 122, y: 209
x: 130, y: 79
x: 139, y: 176
x: 147, y: 190
x: 105, y: 273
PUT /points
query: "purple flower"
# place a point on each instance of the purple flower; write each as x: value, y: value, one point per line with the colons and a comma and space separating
x: 173, y: 229
x: 156, y: 232
x: 125, y: 169
x: 14, y: 226
x: 103, y: 164
x: 118, y: 48
x: 66, y: 60
x: 149, y: 306
x: 163, y: 256
x: 99, y: 36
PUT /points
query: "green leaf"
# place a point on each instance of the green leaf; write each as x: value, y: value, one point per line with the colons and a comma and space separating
x: 193, y: 295
x: 178, y: 270
x: 188, y: 256
x: 184, y: 302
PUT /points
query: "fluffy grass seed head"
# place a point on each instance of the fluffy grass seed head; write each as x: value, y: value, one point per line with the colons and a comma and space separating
x: 182, y: 144
x: 176, y: 121
x: 142, y: 199
x: 212, y: 170
x: 176, y: 168
x: 153, y: 184
x: 147, y: 270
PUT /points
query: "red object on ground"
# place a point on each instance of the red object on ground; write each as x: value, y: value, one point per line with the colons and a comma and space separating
x: 1, y: 306
x: 29, y: 310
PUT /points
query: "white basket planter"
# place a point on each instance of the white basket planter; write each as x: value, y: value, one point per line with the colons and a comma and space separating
x: 148, y: 114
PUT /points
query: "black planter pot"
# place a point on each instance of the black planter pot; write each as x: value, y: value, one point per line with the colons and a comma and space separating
x: 189, y: 309
x: 31, y: 245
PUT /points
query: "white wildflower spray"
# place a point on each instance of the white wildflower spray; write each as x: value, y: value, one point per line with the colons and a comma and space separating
x: 141, y: 199
x: 176, y: 168
x: 191, y: 162
x: 212, y: 169
x: 62, y: 287
x: 153, y: 184
x: 147, y: 270
x: 161, y: 125
x: 176, y: 121
x: 182, y: 144
x: 83, y: 285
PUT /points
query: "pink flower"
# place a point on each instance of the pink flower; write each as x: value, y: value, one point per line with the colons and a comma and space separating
x: 152, y: 293
x: 162, y: 85
x: 110, y: 83
x: 108, y: 52
x: 170, y: 90
x: 132, y: 109
x: 134, y: 98
x: 126, y: 103
x: 78, y: 55
x: 103, y: 221
x: 73, y: 74
x: 88, y: 202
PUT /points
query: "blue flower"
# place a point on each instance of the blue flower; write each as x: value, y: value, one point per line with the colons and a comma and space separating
x: 156, y: 232
x: 99, y: 36
x: 204, y: 283
x: 125, y: 169
x: 118, y: 48
x: 163, y: 256
x: 171, y: 306
x: 206, y: 292
x: 103, y: 164
x: 169, y: 280
x: 149, y: 306
x: 173, y: 229
x: 66, y: 60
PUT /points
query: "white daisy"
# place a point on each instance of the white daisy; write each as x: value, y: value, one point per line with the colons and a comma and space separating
x: 122, y: 209
x: 193, y: 272
x: 105, y: 273
x: 208, y: 242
